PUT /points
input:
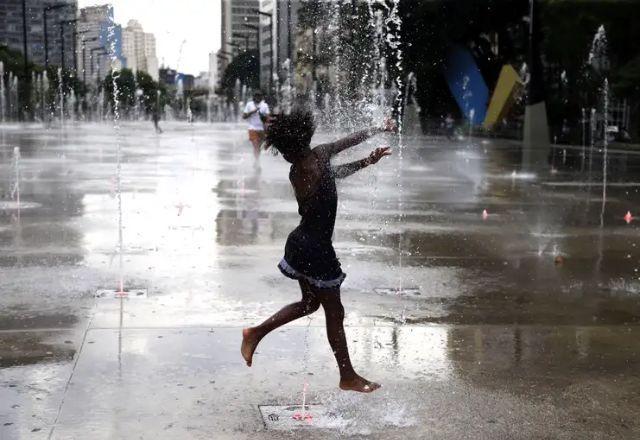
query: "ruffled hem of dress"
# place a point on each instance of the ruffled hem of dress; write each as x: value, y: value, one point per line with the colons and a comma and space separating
x: 290, y: 272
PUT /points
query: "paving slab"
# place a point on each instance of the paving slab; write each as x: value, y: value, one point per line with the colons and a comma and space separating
x: 518, y: 324
x: 438, y: 382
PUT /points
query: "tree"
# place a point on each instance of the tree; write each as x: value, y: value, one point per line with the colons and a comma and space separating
x: 128, y: 85
x: 569, y: 28
x: 627, y: 83
x: 153, y: 94
x: 125, y: 85
x: 243, y: 67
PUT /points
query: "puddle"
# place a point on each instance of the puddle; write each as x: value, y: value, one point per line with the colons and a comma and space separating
x: 14, y: 206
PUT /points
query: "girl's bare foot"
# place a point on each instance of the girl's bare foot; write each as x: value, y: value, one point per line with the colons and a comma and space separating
x: 358, y: 384
x: 249, y: 344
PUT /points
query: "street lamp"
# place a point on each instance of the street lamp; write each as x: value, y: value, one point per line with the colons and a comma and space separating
x: 99, y: 57
x: 75, y: 47
x: 62, y: 25
x: 91, y: 52
x: 47, y: 9
x: 84, y: 57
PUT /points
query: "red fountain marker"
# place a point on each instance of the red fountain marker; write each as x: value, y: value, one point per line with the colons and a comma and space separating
x: 485, y: 214
x: 304, y: 416
x: 628, y: 217
x: 181, y: 207
x: 121, y: 293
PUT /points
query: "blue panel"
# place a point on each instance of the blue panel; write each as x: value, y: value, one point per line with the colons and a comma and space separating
x: 111, y: 32
x: 466, y: 84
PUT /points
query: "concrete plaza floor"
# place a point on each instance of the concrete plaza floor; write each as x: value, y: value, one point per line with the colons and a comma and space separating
x: 519, y: 324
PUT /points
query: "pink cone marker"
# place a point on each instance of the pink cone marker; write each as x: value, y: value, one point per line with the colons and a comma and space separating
x: 628, y: 217
x: 485, y: 214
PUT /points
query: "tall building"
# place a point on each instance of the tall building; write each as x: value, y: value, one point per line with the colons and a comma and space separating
x: 268, y: 41
x: 223, y: 61
x: 236, y: 16
x: 273, y: 32
x: 139, y: 49
x: 186, y: 80
x: 99, y: 42
x: 213, y: 71
x: 202, y: 81
x: 286, y: 31
x: 167, y: 76
x: 11, y: 30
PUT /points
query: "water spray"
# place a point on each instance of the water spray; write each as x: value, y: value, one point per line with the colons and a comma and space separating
x: 115, y: 75
x: 303, y: 415
x: 605, y: 144
x: 15, y: 191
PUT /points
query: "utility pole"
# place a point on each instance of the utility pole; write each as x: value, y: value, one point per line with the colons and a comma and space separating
x: 100, y: 54
x: 63, y: 23
x: 46, y: 10
x: 289, y: 52
x: 75, y: 47
x: 27, y: 81
x: 92, y: 51
x: 84, y: 57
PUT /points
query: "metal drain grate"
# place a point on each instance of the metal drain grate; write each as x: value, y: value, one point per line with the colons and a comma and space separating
x: 291, y: 417
x: 406, y: 291
x: 127, y: 293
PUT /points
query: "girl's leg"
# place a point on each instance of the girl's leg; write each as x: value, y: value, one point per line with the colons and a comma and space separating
x: 252, y: 336
x: 334, y: 313
x: 256, y: 148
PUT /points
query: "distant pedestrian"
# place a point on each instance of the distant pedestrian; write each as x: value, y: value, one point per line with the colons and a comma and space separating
x: 155, y: 117
x: 256, y: 112
x: 309, y: 256
x: 449, y: 127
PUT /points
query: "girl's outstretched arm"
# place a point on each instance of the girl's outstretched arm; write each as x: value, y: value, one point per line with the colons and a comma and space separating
x: 333, y: 148
x: 345, y: 170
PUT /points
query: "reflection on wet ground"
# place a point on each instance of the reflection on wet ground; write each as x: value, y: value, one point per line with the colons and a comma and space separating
x: 525, y: 312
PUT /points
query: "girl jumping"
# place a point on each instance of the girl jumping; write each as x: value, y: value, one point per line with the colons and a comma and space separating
x: 309, y: 256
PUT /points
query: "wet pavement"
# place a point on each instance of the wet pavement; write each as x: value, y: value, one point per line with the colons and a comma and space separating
x: 520, y: 323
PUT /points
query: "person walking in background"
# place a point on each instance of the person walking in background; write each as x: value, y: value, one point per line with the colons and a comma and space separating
x: 155, y: 117
x: 449, y: 127
x: 256, y: 112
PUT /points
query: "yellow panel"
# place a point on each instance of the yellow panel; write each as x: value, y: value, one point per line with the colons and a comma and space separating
x: 508, y: 87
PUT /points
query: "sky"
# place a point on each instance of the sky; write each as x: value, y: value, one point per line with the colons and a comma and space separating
x: 194, y: 22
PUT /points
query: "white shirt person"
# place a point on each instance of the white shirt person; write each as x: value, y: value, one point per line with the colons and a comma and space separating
x: 255, y: 112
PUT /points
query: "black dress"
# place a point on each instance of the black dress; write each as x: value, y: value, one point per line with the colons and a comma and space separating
x: 309, y: 253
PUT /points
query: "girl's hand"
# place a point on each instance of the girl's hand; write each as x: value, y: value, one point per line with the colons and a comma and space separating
x: 390, y: 125
x: 378, y: 154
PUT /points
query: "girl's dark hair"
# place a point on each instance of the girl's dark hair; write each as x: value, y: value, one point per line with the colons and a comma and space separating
x: 291, y: 133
